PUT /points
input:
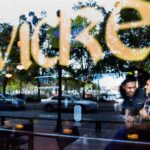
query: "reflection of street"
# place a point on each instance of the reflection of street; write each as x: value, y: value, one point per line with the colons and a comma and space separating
x: 35, y: 110
x: 48, y: 125
x: 105, y: 113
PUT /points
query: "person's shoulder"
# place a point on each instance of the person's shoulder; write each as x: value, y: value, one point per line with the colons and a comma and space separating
x: 141, y: 93
x: 121, y: 133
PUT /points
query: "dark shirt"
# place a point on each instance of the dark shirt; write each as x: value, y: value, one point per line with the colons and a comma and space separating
x: 122, y: 134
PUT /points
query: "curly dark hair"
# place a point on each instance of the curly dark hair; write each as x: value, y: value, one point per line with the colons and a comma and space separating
x: 129, y: 78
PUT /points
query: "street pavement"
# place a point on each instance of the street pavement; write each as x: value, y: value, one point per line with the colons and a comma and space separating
x: 86, y: 129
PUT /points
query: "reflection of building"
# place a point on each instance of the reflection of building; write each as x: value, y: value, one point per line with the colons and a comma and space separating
x: 109, y: 81
x: 108, y: 84
x: 50, y: 89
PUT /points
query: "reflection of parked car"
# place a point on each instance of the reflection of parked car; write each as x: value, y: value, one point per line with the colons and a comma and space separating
x: 8, y: 102
x: 109, y: 97
x: 103, y: 97
x: 68, y: 102
x: 21, y: 96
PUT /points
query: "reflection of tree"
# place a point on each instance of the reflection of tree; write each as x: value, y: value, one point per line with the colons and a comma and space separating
x: 6, y: 78
x: 82, y: 66
x: 134, y: 38
x: 4, y: 83
x: 5, y: 36
x: 45, y: 45
x: 14, y: 57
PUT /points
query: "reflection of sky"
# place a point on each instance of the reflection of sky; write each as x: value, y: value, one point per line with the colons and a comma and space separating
x: 74, y: 32
x: 110, y: 80
x: 10, y: 10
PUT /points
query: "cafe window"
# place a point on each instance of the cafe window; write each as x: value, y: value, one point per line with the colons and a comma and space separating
x: 74, y: 74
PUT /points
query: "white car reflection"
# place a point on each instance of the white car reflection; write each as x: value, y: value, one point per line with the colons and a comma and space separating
x: 68, y: 102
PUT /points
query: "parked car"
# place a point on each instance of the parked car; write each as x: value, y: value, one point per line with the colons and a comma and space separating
x: 68, y: 102
x: 21, y: 96
x: 109, y: 96
x: 8, y: 102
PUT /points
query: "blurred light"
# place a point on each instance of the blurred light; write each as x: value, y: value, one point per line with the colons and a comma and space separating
x: 8, y: 75
x: 133, y: 136
x: 19, y: 126
x: 20, y: 67
x: 135, y: 72
x: 67, y: 131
